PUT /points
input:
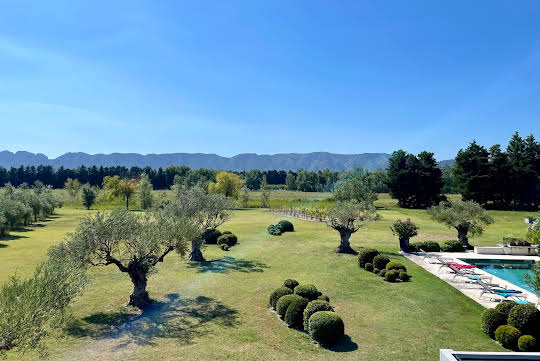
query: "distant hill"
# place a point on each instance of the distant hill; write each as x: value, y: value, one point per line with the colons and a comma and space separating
x: 246, y: 161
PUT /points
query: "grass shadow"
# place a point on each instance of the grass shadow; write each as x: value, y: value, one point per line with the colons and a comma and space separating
x: 3, y: 245
x: 177, y: 318
x: 11, y: 237
x: 345, y: 345
x: 227, y: 265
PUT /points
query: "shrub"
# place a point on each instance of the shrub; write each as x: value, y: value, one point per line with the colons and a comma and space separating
x: 326, y: 327
x: 376, y: 271
x: 453, y: 246
x: 307, y: 291
x: 275, y: 230
x: 315, y: 306
x: 290, y: 283
x: 369, y: 267
x: 295, y: 313
x: 404, y: 229
x: 527, y: 343
x: 284, y: 302
x: 394, y: 265
x: 382, y: 273
x: 428, y: 246
x: 508, y: 336
x: 227, y: 238
x: 211, y: 237
x: 391, y: 275
x: 286, y: 226
x: 504, y: 307
x: 366, y: 255
x: 324, y: 298
x: 404, y: 276
x: 491, y: 320
x: 380, y: 261
x: 224, y: 247
x: 227, y: 232
x: 276, y: 295
x: 525, y: 318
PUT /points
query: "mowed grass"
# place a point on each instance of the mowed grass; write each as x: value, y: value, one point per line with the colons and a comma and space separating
x: 218, y: 310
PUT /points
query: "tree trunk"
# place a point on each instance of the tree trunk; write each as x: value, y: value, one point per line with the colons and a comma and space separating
x: 462, y: 236
x: 345, y: 246
x: 139, y: 298
x: 196, y: 253
x: 127, y: 203
x: 404, y: 244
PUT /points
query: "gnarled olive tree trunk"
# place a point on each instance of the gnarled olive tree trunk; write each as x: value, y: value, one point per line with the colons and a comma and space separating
x: 196, y: 253
x: 344, y: 245
x: 462, y: 235
x: 138, y: 274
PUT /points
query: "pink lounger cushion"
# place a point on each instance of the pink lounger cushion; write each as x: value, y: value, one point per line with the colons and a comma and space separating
x: 460, y: 266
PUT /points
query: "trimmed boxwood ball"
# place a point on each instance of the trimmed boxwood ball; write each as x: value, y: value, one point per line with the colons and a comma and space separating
x: 290, y: 283
x: 366, y: 255
x: 315, y: 306
x: 286, y: 226
x: 380, y: 261
x: 491, y: 320
x: 326, y: 327
x: 369, y: 267
x: 376, y: 271
x: 324, y: 298
x: 391, y: 275
x: 277, y: 294
x: 404, y: 276
x: 226, y: 232
x: 504, y: 307
x: 211, y: 237
x: 224, y: 247
x: 382, y: 273
x: 294, y: 316
x: 525, y: 318
x: 227, y: 238
x: 307, y: 291
x: 508, y: 336
x: 394, y: 265
x: 284, y: 302
x: 527, y: 343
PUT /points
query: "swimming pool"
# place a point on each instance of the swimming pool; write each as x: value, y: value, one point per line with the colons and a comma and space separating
x: 513, y: 271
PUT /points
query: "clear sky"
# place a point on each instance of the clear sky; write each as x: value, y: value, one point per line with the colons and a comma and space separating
x: 270, y: 76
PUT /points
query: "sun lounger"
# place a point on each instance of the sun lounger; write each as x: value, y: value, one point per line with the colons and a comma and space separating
x: 499, y: 291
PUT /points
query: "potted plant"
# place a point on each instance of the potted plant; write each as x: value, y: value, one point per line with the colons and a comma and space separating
x: 404, y: 230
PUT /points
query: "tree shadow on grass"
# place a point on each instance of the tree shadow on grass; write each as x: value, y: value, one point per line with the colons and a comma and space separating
x: 11, y: 237
x: 228, y: 264
x: 345, y: 345
x: 176, y: 318
x: 3, y: 245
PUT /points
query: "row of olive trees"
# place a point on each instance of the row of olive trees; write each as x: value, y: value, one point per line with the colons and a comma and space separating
x: 24, y: 205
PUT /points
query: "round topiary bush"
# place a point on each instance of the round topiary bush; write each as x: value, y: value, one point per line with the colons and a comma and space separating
x: 525, y: 318
x: 290, y: 283
x: 369, y: 267
x: 382, y: 273
x: 294, y: 316
x: 527, y: 343
x: 211, y: 237
x: 394, y: 265
x: 453, y: 246
x: 286, y: 226
x: 380, y: 261
x: 366, y: 255
x: 284, y: 302
x: 326, y: 327
x: 404, y: 276
x: 508, y: 336
x: 315, y: 306
x: 224, y: 247
x: 307, y: 291
x: 391, y: 275
x: 376, y: 271
x: 491, y: 320
x: 324, y: 298
x: 504, y: 307
x: 227, y: 232
x: 277, y: 294
x: 227, y: 238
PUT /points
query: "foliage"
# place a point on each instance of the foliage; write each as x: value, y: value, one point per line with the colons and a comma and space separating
x: 290, y: 283
x: 404, y: 229
x: 308, y: 291
x: 357, y: 185
x: 391, y: 275
x: 527, y: 343
x: 265, y: 194
x: 277, y: 293
x: 508, y: 336
x: 366, y: 255
x: 415, y: 181
x: 88, y: 196
x: 525, y: 318
x: 119, y: 187
x: 290, y: 181
x: 286, y: 226
x: 427, y: 246
x: 253, y: 179
x: 315, y: 306
x: 145, y: 188
x: 73, y: 187
x: 394, y: 265
x: 211, y: 236
x: 404, y: 276
x: 224, y: 246
x: 326, y: 327
x: 533, y: 279
x: 324, y: 297
x: 504, y: 307
x: 382, y: 273
x: 244, y: 197
x: 294, y: 314
x: 228, y: 238
x: 376, y: 271
x: 491, y: 320
x: 274, y: 229
x: 227, y: 183
x: 453, y: 246
x: 284, y: 302
x: 368, y: 267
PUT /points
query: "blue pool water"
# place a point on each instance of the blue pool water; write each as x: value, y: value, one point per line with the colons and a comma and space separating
x: 513, y: 271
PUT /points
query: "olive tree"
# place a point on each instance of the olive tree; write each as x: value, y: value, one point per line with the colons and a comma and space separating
x: 73, y: 187
x: 468, y: 218
x: 117, y: 187
x: 404, y: 230
x: 347, y: 217
x: 134, y: 243
x: 145, y: 192
x: 208, y: 211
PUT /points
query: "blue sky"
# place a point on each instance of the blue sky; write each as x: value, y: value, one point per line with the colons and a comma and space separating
x: 271, y: 76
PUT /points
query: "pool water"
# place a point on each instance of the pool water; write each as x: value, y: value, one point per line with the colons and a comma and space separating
x: 513, y: 271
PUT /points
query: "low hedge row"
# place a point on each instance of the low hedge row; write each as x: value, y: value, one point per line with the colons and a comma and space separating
x: 514, y: 326
x: 391, y: 271
x: 303, y: 307
x: 430, y: 246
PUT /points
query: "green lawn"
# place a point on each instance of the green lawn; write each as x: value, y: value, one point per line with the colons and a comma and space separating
x: 218, y: 311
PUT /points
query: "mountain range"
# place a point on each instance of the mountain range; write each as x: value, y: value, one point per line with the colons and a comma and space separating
x: 245, y: 161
